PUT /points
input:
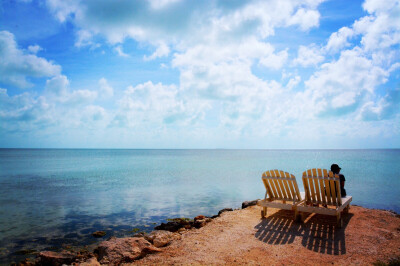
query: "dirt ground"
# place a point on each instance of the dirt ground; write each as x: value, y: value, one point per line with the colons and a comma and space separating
x: 242, y: 237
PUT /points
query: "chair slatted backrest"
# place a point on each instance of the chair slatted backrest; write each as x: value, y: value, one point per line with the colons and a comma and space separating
x: 322, y: 187
x: 281, y: 185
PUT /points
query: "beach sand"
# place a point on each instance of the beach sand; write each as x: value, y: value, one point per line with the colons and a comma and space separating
x: 242, y: 237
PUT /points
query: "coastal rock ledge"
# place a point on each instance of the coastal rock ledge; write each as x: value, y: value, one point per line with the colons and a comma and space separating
x: 122, y: 250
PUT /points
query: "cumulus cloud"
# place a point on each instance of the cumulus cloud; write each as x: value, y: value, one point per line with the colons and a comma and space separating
x: 105, y: 89
x: 340, y: 86
x: 385, y: 108
x: 16, y: 65
x: 161, y: 51
x: 339, y: 39
x: 58, y: 89
x: 34, y: 49
x: 308, y: 56
x: 381, y: 29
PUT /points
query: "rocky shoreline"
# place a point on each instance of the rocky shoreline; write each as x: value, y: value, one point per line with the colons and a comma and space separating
x: 114, y: 251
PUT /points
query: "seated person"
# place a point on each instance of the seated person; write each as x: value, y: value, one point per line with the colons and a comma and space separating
x: 336, y: 170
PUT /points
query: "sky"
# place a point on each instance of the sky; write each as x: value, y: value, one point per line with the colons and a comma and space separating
x: 213, y: 74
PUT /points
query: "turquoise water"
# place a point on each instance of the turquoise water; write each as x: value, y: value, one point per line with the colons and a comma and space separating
x: 49, y: 197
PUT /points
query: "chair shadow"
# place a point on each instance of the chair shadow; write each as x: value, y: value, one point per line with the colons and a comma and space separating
x: 318, y: 233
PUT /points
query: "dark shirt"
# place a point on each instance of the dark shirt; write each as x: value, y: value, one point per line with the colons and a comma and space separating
x: 342, y: 190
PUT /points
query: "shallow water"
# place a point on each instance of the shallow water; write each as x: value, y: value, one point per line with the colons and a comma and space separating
x: 53, y: 196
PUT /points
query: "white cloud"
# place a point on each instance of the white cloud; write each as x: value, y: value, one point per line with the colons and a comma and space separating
x: 16, y: 66
x: 161, y: 51
x: 308, y: 56
x: 119, y: 51
x: 58, y: 89
x: 382, y: 28
x: 34, y: 49
x: 105, y: 89
x: 306, y: 19
x: 339, y: 39
x: 340, y: 85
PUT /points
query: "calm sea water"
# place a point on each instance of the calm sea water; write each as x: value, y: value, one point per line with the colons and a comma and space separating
x: 53, y: 197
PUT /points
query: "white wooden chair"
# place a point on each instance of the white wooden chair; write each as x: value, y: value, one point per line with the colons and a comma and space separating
x: 322, y: 194
x: 282, y: 192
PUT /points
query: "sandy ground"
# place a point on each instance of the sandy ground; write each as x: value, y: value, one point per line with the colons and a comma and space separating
x: 242, y: 237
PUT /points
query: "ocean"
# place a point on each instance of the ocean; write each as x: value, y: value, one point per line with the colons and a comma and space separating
x: 50, y: 198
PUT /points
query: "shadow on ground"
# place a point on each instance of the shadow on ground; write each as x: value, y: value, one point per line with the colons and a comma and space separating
x: 318, y: 233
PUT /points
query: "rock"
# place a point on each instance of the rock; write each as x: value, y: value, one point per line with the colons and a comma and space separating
x: 224, y: 210
x: 90, y: 262
x: 199, y: 223
x: 183, y: 230
x: 199, y: 217
x: 161, y: 238
x: 249, y: 203
x: 170, y: 226
x: 55, y: 258
x: 98, y: 234
x: 141, y: 234
x: 122, y: 250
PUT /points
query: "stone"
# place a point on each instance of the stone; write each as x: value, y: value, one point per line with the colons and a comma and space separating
x: 224, y: 210
x: 98, y: 234
x: 90, y: 262
x: 199, y: 217
x: 161, y: 238
x: 170, y: 226
x: 123, y: 250
x: 55, y: 258
x: 249, y: 203
x: 199, y: 223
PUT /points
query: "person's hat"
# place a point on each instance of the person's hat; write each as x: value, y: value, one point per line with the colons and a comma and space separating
x: 335, y: 168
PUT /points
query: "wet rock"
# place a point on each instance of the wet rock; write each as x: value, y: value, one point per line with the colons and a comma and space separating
x: 170, y: 226
x: 224, y: 210
x: 199, y: 217
x: 98, y: 234
x: 249, y: 203
x: 55, y: 258
x: 175, y: 224
x: 161, y: 238
x: 90, y: 262
x: 123, y: 250
x: 199, y: 223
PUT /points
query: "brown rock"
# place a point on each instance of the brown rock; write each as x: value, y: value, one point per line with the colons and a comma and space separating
x: 55, y: 258
x: 161, y: 238
x: 98, y: 234
x: 199, y: 223
x: 90, y: 262
x: 224, y: 210
x: 249, y: 203
x: 120, y: 250
x: 199, y: 217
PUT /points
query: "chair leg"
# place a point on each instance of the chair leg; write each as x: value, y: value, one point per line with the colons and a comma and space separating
x: 297, y: 216
x: 346, y: 210
x: 339, y: 220
x: 264, y: 212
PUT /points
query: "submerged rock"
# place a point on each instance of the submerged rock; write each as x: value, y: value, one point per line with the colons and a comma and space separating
x: 122, y: 250
x: 55, y: 258
x: 161, y: 238
x: 249, y: 203
x: 98, y: 234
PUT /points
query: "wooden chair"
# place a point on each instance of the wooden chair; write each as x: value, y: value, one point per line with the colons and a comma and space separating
x: 282, y: 192
x: 322, y: 194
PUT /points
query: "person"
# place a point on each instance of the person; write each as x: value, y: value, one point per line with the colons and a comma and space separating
x: 336, y: 170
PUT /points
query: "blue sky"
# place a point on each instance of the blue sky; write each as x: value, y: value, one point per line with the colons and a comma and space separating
x: 200, y: 74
